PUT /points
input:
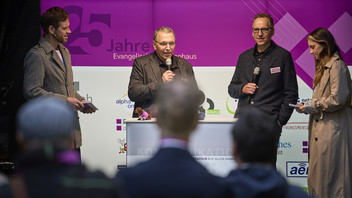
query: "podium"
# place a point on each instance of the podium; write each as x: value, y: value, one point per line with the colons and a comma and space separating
x: 210, y: 144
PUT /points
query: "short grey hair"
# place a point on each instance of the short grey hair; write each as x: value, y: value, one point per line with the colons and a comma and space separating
x: 163, y: 29
x: 177, y: 108
x: 264, y: 15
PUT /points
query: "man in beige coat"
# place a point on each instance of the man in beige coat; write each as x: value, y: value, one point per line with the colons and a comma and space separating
x: 47, y: 66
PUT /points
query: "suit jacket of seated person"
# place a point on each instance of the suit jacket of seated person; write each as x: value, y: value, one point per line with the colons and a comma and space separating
x: 171, y: 173
x: 254, y: 181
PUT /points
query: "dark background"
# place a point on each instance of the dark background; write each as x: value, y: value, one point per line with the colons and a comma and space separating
x: 20, y: 31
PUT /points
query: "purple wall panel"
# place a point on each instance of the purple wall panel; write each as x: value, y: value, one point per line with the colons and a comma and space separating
x: 208, y: 33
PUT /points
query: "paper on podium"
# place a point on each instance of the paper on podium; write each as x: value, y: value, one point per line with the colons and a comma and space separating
x: 89, y: 105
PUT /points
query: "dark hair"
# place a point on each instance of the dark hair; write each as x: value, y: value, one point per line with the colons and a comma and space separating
x: 264, y: 15
x: 52, y: 17
x: 327, y: 41
x: 256, y: 135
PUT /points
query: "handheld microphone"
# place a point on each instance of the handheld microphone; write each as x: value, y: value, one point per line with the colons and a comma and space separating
x: 256, y: 75
x: 254, y: 80
x: 168, y: 63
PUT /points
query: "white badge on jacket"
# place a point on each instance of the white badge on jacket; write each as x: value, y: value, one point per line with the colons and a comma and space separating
x: 275, y: 70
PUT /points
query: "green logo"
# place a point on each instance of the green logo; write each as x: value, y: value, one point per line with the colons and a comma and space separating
x: 213, y: 112
x: 227, y: 106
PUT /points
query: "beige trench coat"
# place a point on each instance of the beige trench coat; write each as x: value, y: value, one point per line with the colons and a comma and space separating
x: 330, y: 133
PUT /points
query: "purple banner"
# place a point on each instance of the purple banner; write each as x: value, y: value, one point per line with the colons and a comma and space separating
x: 208, y: 33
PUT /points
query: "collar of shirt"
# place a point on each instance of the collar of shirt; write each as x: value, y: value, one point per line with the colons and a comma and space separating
x: 163, y: 65
x: 168, y: 142
x: 266, y: 52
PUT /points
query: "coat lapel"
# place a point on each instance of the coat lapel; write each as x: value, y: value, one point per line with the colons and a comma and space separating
x: 326, y: 77
x: 50, y: 50
x: 322, y: 84
x: 156, y: 69
x: 65, y: 56
x: 182, y: 69
x: 58, y: 61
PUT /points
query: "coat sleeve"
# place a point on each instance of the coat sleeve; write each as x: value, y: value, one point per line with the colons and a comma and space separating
x: 190, y: 73
x: 75, y: 93
x: 34, y: 74
x: 141, y: 88
x: 78, y: 96
x: 340, y: 90
x: 235, y: 87
x: 290, y: 90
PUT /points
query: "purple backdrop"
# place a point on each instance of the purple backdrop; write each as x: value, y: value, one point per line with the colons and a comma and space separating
x: 208, y: 32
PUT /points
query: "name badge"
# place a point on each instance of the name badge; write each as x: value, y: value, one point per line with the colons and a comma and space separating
x: 275, y: 70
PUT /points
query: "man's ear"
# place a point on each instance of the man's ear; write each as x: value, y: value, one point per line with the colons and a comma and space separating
x: 235, y: 154
x: 272, y: 32
x: 51, y: 29
x: 154, y: 45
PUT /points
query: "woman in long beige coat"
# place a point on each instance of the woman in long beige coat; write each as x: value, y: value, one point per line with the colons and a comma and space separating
x: 330, y: 121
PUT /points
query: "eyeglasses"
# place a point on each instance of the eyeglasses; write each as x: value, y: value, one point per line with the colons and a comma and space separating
x: 263, y: 30
x: 164, y: 44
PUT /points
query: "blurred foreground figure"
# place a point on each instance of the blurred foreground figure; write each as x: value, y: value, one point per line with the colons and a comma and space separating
x: 253, y: 148
x: 47, y: 166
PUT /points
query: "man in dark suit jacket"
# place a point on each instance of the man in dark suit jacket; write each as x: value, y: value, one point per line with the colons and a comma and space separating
x: 172, y: 171
x: 47, y: 66
x: 151, y: 71
x: 254, y: 145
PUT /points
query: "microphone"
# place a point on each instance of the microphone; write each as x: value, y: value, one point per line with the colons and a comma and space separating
x: 168, y: 63
x: 255, y: 75
x: 254, y: 80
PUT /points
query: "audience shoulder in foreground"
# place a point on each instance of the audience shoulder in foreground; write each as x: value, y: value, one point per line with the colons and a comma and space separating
x: 47, y: 166
x: 172, y: 171
x: 253, y: 147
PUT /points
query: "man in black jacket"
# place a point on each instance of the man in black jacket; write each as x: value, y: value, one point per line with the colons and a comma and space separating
x: 265, y: 76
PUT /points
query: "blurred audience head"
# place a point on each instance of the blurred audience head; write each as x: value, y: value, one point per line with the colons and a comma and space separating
x: 255, y: 137
x: 45, y: 119
x: 177, y: 108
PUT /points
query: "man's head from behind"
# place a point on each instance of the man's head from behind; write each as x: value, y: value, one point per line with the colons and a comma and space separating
x: 255, y: 136
x: 177, y: 108
x: 45, y: 119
